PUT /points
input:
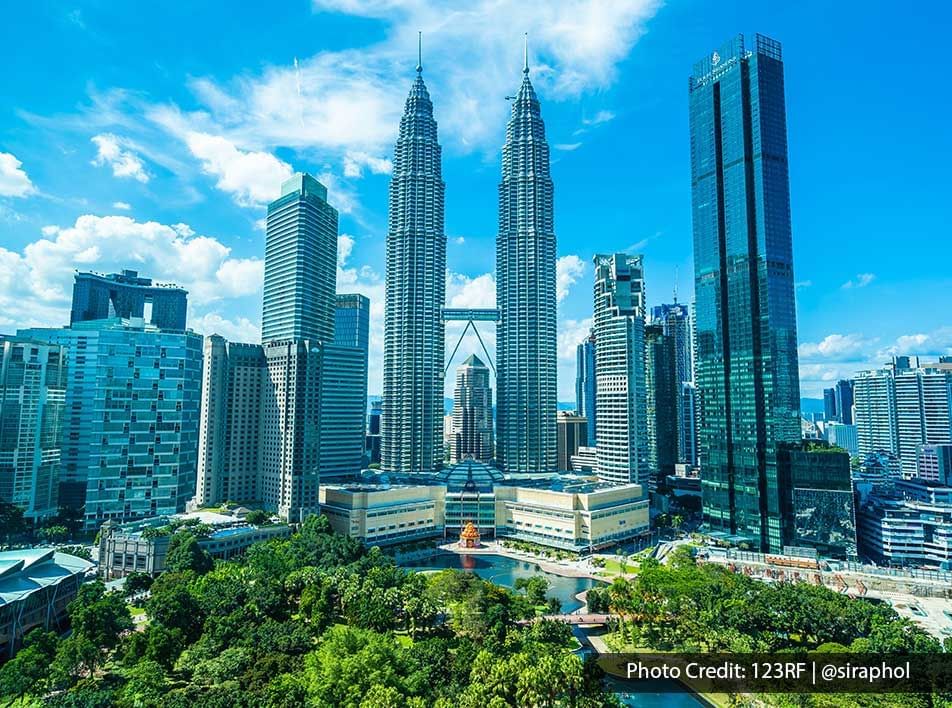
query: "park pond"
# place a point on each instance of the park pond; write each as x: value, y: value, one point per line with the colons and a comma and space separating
x: 504, y: 571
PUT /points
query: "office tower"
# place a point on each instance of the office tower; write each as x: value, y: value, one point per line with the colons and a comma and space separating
x: 934, y: 464
x: 126, y: 295
x: 844, y: 436
x: 585, y: 384
x: 472, y: 436
x: 352, y: 321
x: 572, y: 434
x: 675, y: 322
x: 300, y: 264
x: 622, y: 426
x: 525, y: 295
x: 843, y: 395
x: 343, y: 409
x: 661, y: 400
x: 291, y: 427
x: 817, y: 492
x: 229, y: 439
x: 746, y: 367
x: 32, y: 398
x: 132, y: 416
x: 829, y: 404
x: 415, y: 292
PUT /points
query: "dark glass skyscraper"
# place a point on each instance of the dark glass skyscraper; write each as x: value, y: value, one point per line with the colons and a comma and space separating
x: 411, y: 424
x: 743, y: 267
x: 525, y: 294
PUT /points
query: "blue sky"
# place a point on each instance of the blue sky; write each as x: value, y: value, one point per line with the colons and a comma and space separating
x: 150, y: 136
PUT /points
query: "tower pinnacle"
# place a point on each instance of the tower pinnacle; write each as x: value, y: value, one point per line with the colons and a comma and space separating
x: 525, y: 55
x: 419, y: 64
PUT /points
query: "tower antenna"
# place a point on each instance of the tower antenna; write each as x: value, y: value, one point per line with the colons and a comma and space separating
x: 419, y: 64
x: 525, y: 55
x: 676, y: 285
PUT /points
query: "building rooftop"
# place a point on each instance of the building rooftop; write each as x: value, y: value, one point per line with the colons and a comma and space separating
x: 23, y: 572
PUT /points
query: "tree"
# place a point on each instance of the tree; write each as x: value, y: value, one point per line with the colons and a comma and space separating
x: 12, y: 523
x: 257, y: 517
x: 185, y: 553
x: 136, y: 583
x: 53, y: 534
x: 24, y: 672
x: 98, y: 616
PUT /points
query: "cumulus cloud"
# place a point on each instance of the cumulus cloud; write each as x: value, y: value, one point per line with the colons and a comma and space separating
x: 36, y: 283
x: 568, y: 269
x: 14, y: 181
x: 345, y: 244
x: 860, y: 281
x: 252, y: 178
x: 348, y: 102
x: 927, y: 345
x: 355, y: 162
x: 122, y: 206
x: 240, y: 329
x: 838, y: 346
x: 117, y: 153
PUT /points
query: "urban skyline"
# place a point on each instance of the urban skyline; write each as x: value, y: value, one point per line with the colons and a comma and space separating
x: 225, y: 287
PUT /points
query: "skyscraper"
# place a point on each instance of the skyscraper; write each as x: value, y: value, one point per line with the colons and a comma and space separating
x: 585, y: 384
x: 32, y: 397
x: 415, y: 291
x: 300, y: 264
x: 472, y: 435
x: 661, y: 394
x: 525, y: 294
x: 675, y: 323
x: 132, y: 416
x: 829, y: 405
x: 843, y: 394
x: 229, y: 440
x: 126, y: 295
x: 622, y: 426
x: 746, y: 366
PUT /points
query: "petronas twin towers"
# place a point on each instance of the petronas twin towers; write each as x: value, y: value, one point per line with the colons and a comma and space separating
x: 411, y: 422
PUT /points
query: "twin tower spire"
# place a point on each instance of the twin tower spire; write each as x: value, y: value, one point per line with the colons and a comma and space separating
x: 413, y: 407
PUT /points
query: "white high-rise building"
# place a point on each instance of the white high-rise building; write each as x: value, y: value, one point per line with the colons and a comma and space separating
x: 902, y: 406
x: 621, y: 426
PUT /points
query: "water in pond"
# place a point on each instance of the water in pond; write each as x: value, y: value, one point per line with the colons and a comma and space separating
x: 504, y: 571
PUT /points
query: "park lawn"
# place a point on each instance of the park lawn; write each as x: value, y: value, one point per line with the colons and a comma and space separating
x: 614, y: 567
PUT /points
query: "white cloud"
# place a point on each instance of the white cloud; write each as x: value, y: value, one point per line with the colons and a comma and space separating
x: 345, y: 244
x: 118, y: 154
x: 35, y: 284
x: 861, y: 281
x: 837, y: 346
x: 571, y: 333
x: 240, y: 329
x: 122, y: 206
x: 803, y: 284
x: 354, y: 162
x: 928, y: 346
x: 567, y: 147
x: 459, y: 240
x: 568, y: 270
x: 602, y: 116
x: 252, y: 178
x: 464, y: 291
x: 348, y: 102
x: 14, y: 181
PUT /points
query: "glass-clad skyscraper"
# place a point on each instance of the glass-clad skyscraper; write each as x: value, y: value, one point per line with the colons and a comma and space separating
x: 585, y: 384
x: 525, y: 294
x: 743, y: 267
x: 124, y: 295
x: 412, y: 415
x: 300, y: 264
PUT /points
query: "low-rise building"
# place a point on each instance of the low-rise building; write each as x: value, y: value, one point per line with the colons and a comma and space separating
x: 908, y: 525
x: 142, y: 546
x: 569, y: 512
x: 36, y: 585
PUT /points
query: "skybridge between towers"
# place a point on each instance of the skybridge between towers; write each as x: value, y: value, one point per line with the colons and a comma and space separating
x: 470, y: 316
